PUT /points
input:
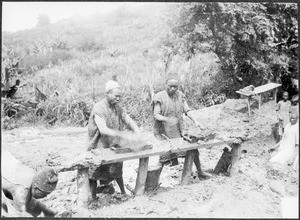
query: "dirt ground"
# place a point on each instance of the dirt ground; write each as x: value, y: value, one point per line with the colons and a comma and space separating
x: 254, y: 190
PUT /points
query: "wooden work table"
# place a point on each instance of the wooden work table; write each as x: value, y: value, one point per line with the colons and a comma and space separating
x: 258, y: 91
x: 107, y: 156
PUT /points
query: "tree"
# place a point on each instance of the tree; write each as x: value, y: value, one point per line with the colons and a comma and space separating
x: 43, y: 20
x: 251, y: 40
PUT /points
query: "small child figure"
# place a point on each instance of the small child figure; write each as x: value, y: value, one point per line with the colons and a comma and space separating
x: 283, y: 111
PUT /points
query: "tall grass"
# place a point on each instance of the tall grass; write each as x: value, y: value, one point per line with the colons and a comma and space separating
x: 127, y: 46
x: 73, y: 86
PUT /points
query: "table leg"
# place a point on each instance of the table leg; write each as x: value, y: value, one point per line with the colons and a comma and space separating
x: 187, y: 168
x: 235, y: 155
x: 248, y: 103
x: 83, y: 187
x: 275, y: 95
x: 141, y: 176
x: 259, y: 101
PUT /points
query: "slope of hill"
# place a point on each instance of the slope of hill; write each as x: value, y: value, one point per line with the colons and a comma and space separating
x: 74, y: 58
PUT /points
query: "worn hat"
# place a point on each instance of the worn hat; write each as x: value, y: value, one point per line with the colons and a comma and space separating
x: 46, y: 180
x: 172, y: 75
x: 111, y: 85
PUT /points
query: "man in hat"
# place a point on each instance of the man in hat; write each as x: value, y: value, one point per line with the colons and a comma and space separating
x: 22, y: 186
x: 168, y: 107
x: 106, y: 127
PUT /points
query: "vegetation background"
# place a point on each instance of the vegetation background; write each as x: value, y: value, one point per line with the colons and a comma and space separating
x: 216, y: 48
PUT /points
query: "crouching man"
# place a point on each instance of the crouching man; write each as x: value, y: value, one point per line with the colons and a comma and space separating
x: 106, y: 128
x: 21, y: 187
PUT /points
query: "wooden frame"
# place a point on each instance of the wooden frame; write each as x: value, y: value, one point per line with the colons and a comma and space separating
x: 174, y: 145
x: 258, y: 91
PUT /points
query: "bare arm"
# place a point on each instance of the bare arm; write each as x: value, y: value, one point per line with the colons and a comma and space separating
x: 157, y: 115
x: 100, y: 122
x: 133, y: 126
x: 189, y: 113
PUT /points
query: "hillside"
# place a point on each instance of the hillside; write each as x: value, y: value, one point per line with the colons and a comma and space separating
x: 70, y: 61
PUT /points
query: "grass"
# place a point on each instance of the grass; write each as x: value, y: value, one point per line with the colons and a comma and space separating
x: 129, y: 48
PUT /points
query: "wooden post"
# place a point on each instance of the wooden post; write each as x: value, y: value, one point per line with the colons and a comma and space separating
x: 141, y: 176
x: 83, y: 187
x: 259, y: 100
x: 152, y: 180
x: 187, y: 168
x: 235, y: 154
x: 275, y: 95
x: 248, y: 103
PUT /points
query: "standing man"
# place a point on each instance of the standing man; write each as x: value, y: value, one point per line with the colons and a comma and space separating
x: 169, y: 105
x: 283, y: 111
x: 106, y: 123
x: 21, y: 187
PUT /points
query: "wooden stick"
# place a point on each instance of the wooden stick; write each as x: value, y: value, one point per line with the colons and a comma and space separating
x: 83, y: 187
x: 187, y: 168
x: 248, y: 103
x: 141, y: 176
x: 259, y: 100
x: 130, y: 189
x: 275, y: 95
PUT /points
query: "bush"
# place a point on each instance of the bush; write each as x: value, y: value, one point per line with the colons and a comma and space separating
x: 39, y: 61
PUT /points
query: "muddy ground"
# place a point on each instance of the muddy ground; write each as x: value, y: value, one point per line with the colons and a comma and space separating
x: 254, y: 190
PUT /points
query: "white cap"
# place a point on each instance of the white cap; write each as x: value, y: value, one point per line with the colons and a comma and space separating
x: 111, y: 85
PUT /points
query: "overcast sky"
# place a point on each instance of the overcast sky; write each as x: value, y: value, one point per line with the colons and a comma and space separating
x: 23, y: 15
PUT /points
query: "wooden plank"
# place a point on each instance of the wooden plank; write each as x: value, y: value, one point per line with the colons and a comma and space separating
x: 187, y: 167
x: 128, y: 150
x: 245, y: 94
x: 141, y: 176
x: 260, y: 89
x: 178, y: 145
x: 266, y: 87
x: 83, y: 187
x: 108, y: 156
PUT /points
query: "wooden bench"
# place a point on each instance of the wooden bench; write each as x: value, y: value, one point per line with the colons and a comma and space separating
x: 107, y: 156
x: 258, y: 91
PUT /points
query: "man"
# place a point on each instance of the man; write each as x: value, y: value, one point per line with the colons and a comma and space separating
x: 283, y: 111
x: 21, y: 187
x: 288, y: 147
x: 105, y: 129
x: 169, y: 105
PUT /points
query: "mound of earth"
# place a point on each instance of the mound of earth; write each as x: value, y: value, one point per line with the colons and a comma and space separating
x: 228, y: 121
